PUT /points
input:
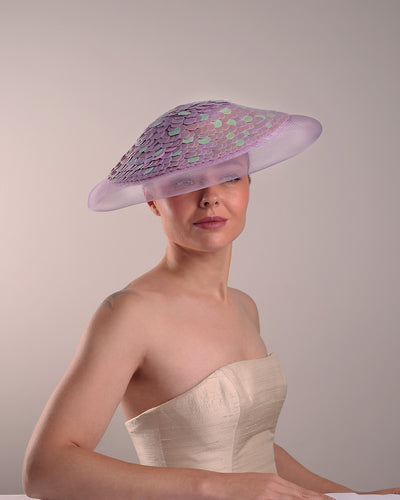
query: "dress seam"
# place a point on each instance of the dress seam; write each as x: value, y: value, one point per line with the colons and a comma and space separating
x: 238, y: 417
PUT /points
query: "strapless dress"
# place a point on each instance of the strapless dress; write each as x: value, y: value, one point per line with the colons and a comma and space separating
x: 225, y: 423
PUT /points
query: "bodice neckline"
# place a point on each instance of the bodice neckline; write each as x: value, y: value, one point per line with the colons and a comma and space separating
x: 204, y: 380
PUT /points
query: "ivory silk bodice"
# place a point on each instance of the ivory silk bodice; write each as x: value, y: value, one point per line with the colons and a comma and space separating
x: 225, y: 423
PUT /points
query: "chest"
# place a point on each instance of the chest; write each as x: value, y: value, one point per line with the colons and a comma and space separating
x: 190, y: 343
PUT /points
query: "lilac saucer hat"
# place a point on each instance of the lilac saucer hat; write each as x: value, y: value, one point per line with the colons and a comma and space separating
x: 194, y: 146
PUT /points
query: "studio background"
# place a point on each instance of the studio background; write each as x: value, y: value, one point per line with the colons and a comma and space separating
x: 82, y: 79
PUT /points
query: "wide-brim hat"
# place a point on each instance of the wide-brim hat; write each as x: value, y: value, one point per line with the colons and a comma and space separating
x: 193, y: 146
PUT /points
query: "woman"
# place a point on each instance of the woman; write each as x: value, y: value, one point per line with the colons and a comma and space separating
x: 179, y: 349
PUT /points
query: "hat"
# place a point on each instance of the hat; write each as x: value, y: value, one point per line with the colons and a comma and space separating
x: 194, y: 145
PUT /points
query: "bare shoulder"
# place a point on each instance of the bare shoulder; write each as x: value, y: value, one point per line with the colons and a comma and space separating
x: 119, y: 307
x: 120, y: 319
x: 122, y: 299
x: 131, y: 309
x: 248, y: 304
x: 139, y: 294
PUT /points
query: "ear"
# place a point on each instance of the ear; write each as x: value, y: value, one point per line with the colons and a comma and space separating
x: 153, y: 207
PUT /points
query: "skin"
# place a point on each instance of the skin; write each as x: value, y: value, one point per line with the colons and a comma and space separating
x: 201, y: 323
x: 130, y: 355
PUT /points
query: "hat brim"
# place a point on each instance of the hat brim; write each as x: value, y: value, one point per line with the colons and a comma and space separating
x: 292, y: 137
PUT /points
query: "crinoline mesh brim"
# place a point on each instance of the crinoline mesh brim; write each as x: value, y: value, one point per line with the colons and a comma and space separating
x: 290, y: 138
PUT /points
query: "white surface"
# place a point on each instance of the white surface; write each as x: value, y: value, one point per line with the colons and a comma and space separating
x: 352, y: 496
x: 338, y: 496
x: 13, y: 497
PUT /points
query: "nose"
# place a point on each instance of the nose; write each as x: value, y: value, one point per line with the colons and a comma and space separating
x: 210, y: 197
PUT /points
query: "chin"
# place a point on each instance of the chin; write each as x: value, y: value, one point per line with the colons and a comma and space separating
x: 213, y: 242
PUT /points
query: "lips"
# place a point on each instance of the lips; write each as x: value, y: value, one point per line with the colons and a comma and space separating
x: 210, y: 219
x: 214, y: 222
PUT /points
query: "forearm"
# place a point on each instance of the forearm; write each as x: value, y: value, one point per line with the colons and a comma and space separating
x: 293, y: 471
x: 75, y: 473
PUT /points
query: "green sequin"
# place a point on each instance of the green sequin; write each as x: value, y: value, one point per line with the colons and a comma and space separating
x: 156, y: 153
x: 217, y: 123
x: 148, y: 170
x: 247, y: 119
x: 174, y: 132
x: 193, y: 159
x: 268, y: 125
x: 231, y: 122
x: 204, y: 116
x: 226, y: 111
x: 177, y: 153
x: 186, y: 141
x: 184, y: 113
x: 157, y: 123
x: 270, y: 115
x: 143, y: 149
x: 260, y: 116
x: 246, y: 133
x: 205, y: 140
x: 231, y: 135
x: 239, y: 142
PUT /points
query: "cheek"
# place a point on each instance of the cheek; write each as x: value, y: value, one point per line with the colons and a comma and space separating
x: 174, y: 206
x: 242, y: 207
x: 173, y: 217
x: 243, y: 200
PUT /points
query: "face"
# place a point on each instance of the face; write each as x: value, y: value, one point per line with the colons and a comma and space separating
x: 210, y: 218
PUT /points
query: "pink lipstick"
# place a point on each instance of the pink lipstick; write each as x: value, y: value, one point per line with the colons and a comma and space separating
x: 210, y: 222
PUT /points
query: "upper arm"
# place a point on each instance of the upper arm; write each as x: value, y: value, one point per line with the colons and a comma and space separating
x: 111, y: 349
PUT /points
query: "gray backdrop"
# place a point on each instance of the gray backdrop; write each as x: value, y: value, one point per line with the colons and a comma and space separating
x: 80, y: 81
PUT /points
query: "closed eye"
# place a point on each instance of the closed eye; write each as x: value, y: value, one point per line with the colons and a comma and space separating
x: 230, y: 179
x: 184, y: 181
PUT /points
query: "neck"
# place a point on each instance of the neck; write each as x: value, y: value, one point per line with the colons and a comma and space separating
x: 202, y: 273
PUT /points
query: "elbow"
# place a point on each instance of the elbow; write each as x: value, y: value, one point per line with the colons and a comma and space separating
x: 41, y: 469
x: 29, y: 490
x: 31, y: 479
x: 35, y: 474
